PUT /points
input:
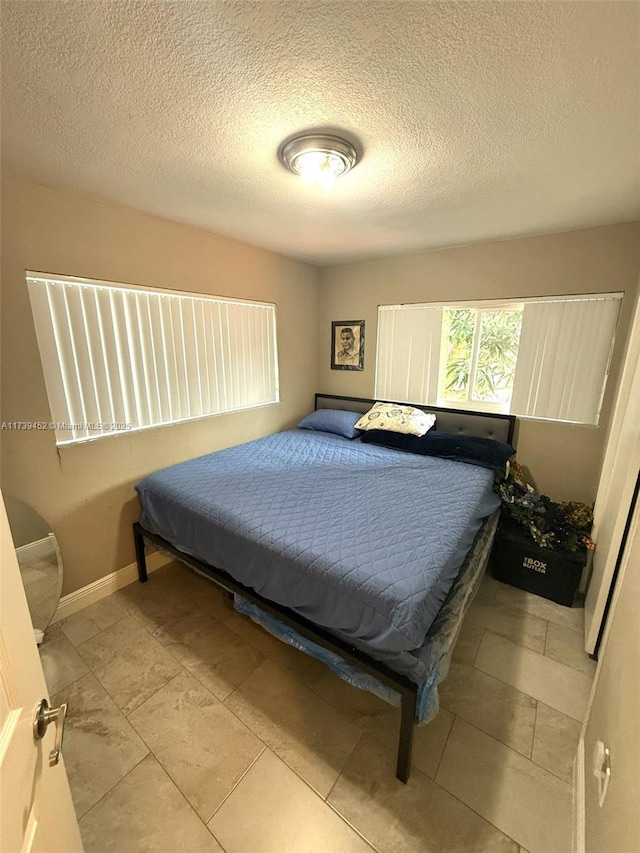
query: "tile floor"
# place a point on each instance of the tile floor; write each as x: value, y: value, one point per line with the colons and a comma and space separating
x: 191, y: 729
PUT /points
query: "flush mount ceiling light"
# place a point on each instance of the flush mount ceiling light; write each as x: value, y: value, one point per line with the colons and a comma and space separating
x: 318, y: 158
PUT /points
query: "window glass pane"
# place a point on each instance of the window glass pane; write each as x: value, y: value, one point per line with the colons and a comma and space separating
x: 459, y: 329
x: 497, y: 354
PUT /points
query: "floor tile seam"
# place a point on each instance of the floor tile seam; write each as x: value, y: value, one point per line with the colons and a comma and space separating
x: 552, y: 772
x: 570, y: 669
x: 251, y: 642
x: 246, y: 642
x: 456, y: 797
x: 246, y: 725
x: 298, y: 774
x: 69, y: 684
x: 155, y: 692
x: 490, y: 675
x: 275, y: 751
x: 99, y: 631
x: 166, y: 648
x: 136, y: 614
x: 300, y: 681
x: 127, y: 714
x: 477, y: 652
x: 453, y: 719
x: 343, y: 716
x: 102, y: 796
x: 115, y: 785
x: 173, y: 782
x: 285, y: 762
x: 546, y: 640
x: 104, y: 687
x: 505, y: 605
x: 556, y: 621
x: 475, y: 725
x: 323, y: 800
x: 520, y: 755
x: 497, y: 678
x: 471, y: 808
x: 579, y: 669
x: 176, y: 783
x: 194, y: 673
x: 217, y: 700
x: 117, y: 707
x: 506, y: 636
x: 108, y: 628
x: 535, y: 730
x: 350, y: 825
x: 560, y: 711
x: 235, y: 785
x: 341, y: 771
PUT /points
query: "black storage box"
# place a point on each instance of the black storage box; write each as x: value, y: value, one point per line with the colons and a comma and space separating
x: 517, y: 560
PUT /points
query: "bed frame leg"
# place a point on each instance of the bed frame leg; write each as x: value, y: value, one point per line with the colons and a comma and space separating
x: 138, y: 540
x: 405, y: 745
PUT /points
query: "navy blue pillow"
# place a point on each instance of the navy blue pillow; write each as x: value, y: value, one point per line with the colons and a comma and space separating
x: 485, y: 452
x: 336, y: 421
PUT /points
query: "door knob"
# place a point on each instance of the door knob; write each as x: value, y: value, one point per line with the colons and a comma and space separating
x: 602, y: 769
x: 45, y: 715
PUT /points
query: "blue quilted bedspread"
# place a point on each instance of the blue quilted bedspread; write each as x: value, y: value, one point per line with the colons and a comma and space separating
x: 363, y: 540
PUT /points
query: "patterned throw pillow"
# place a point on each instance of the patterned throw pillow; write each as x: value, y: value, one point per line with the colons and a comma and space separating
x: 394, y: 417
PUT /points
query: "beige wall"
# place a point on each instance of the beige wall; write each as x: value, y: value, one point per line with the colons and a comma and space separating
x: 564, y: 460
x: 85, y: 492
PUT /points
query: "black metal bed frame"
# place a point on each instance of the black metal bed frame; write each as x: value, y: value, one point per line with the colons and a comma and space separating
x: 407, y: 689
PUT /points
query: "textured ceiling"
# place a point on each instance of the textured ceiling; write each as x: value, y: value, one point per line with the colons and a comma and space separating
x: 478, y: 120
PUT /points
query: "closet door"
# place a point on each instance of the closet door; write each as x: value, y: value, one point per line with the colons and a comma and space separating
x: 615, y: 493
x: 607, y: 781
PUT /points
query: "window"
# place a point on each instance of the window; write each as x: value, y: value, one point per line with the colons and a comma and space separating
x: 481, y: 348
x: 539, y: 358
x: 119, y: 358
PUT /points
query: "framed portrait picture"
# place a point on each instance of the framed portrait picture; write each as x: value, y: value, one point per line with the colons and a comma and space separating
x: 347, y: 345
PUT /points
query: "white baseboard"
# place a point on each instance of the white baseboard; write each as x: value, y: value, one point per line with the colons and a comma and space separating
x: 105, y: 586
x: 578, y: 845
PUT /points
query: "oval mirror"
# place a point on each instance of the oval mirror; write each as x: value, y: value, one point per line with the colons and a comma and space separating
x: 40, y: 562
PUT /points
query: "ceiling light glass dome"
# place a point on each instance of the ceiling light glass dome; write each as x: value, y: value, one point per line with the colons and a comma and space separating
x: 318, y: 158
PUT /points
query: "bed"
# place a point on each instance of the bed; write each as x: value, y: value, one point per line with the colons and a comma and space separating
x: 361, y: 555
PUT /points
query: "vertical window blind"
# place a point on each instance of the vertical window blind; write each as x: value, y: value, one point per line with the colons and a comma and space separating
x: 117, y: 358
x: 561, y: 365
x: 563, y: 358
x: 408, y: 354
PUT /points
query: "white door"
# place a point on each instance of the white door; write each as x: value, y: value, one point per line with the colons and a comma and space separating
x: 608, y: 808
x: 36, y: 810
x: 615, y: 491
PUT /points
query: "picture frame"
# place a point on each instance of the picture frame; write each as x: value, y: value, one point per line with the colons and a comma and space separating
x: 347, y: 345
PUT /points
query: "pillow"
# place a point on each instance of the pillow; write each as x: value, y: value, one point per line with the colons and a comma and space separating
x: 393, y: 417
x: 336, y: 421
x: 472, y: 449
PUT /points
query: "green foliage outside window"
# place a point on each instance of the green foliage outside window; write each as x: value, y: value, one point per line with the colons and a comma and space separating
x: 460, y: 324
x: 496, y: 358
